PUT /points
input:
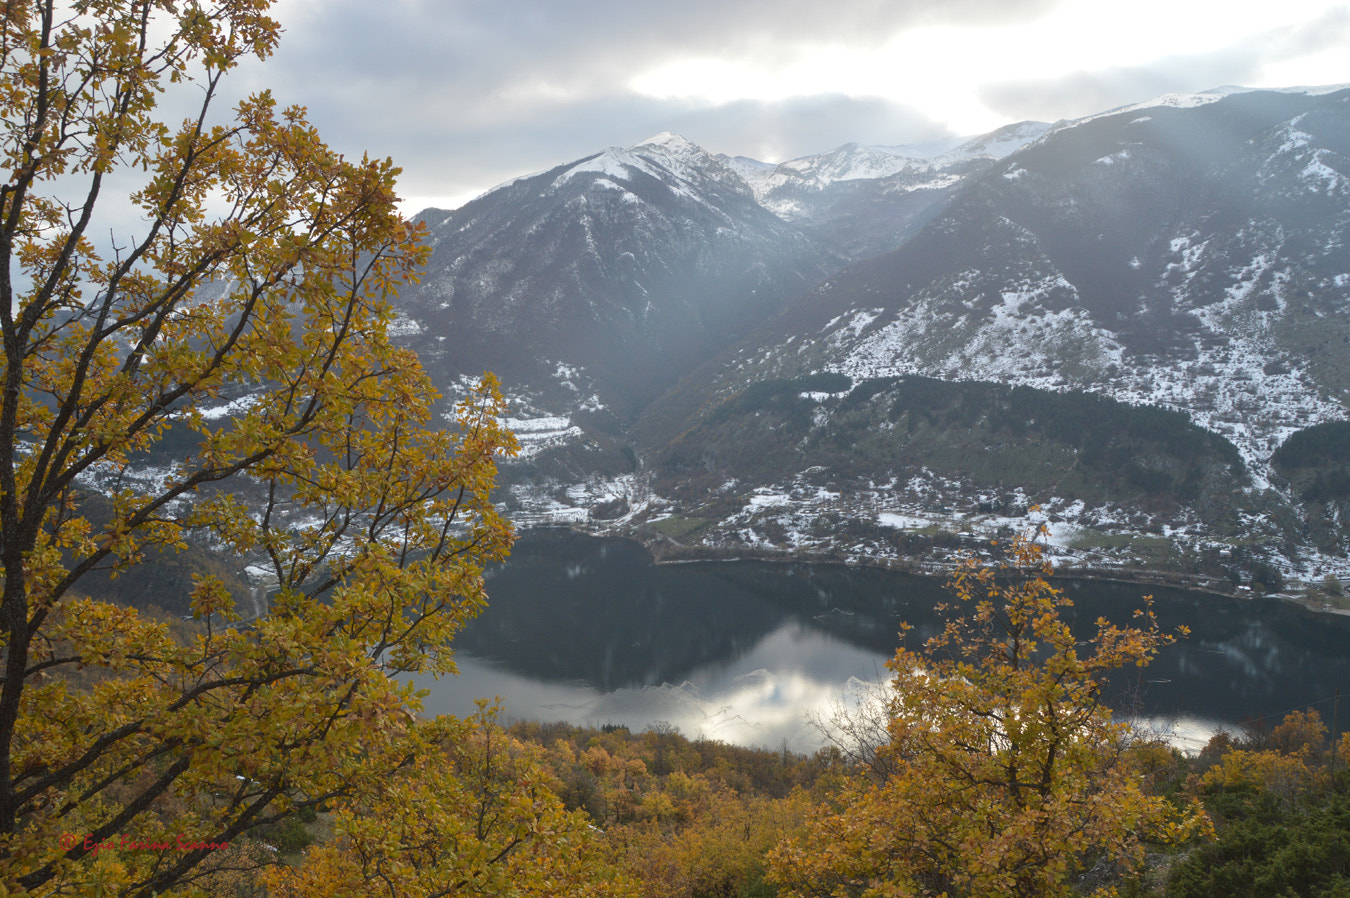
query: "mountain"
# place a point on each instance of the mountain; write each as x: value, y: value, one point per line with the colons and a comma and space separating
x: 605, y: 279
x: 600, y: 283
x: 1187, y: 254
x: 856, y: 352
x: 862, y: 201
x: 1192, y: 257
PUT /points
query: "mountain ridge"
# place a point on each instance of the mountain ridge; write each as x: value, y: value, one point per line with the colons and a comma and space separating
x: 634, y: 263
x: 1184, y: 253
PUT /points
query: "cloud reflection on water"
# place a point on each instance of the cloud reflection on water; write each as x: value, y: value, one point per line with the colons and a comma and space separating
x: 766, y: 697
x: 591, y: 632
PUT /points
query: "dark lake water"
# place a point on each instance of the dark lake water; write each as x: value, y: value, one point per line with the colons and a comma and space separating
x: 590, y: 631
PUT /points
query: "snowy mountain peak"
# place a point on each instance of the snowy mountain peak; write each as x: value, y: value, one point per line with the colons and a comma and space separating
x: 925, y: 162
x: 682, y: 166
x: 670, y: 141
x: 675, y: 152
x: 850, y: 162
x: 999, y: 143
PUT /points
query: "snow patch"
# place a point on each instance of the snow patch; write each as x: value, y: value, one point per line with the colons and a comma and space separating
x: 230, y: 409
x: 537, y: 434
x: 902, y: 521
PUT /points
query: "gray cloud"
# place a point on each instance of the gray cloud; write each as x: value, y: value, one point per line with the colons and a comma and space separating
x: 505, y: 34
x: 1329, y: 32
x: 469, y: 94
x: 1085, y: 93
x: 465, y: 94
x: 489, y: 57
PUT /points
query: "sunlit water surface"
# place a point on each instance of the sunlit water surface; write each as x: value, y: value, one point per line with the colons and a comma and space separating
x: 590, y: 631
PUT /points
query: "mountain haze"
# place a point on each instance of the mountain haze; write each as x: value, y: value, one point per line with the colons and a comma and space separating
x: 1193, y: 257
x: 633, y: 265
x: 863, y: 201
x: 1186, y: 253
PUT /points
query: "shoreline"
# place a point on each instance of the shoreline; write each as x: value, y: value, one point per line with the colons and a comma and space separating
x: 666, y: 551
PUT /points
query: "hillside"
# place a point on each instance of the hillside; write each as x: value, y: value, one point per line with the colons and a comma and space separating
x: 1184, y: 255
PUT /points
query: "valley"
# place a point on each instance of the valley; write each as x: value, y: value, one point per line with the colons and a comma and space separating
x: 880, y: 357
x: 1108, y: 327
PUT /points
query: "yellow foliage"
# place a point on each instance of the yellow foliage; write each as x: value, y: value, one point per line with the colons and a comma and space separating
x: 1291, y: 766
x: 717, y: 849
x: 1003, y: 771
x: 701, y: 829
x: 1268, y: 771
x: 469, y: 813
x: 258, y: 278
x: 1301, y: 733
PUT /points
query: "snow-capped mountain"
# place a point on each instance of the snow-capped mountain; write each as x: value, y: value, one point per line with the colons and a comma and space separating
x: 856, y: 162
x: 1192, y: 256
x: 1187, y: 253
x: 866, y: 200
x: 631, y: 266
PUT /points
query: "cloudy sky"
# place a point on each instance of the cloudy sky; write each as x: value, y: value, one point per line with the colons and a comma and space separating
x: 465, y: 94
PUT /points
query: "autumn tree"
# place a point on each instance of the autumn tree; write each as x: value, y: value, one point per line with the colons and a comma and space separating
x: 1282, y: 815
x: 1002, y: 773
x: 469, y: 812
x: 254, y: 281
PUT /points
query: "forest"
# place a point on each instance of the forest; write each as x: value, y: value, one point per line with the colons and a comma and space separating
x: 994, y: 436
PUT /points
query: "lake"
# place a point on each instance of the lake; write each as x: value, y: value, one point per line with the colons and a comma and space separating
x: 591, y: 631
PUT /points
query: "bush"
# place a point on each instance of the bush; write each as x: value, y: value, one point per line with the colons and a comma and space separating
x: 1272, y: 853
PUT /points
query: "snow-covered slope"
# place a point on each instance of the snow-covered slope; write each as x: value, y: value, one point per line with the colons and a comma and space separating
x: 632, y: 265
x: 1181, y: 253
x: 866, y: 200
x: 1184, y: 257
x: 996, y: 144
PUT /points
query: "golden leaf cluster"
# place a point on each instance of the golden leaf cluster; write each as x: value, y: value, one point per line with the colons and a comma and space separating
x: 219, y: 373
x: 1002, y: 774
